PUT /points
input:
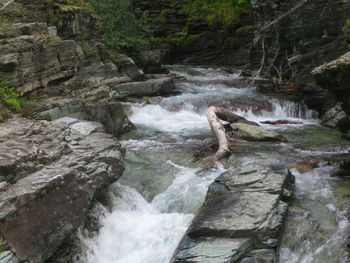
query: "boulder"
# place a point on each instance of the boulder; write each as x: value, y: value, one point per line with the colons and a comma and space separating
x: 111, y: 115
x: 254, y: 133
x: 336, y: 118
x: 150, y: 87
x: 334, y: 75
x: 50, y: 173
x: 243, y: 211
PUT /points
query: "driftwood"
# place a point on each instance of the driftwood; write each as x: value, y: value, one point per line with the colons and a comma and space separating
x: 215, y: 114
x: 219, y: 131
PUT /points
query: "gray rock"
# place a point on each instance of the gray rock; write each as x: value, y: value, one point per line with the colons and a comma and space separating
x: 150, y: 87
x: 334, y: 75
x: 243, y: 209
x: 54, y: 169
x: 32, y: 59
x: 336, y: 118
x: 111, y: 115
x: 254, y: 133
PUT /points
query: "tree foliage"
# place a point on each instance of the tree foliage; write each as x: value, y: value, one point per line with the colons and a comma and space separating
x: 225, y: 11
x: 124, y: 29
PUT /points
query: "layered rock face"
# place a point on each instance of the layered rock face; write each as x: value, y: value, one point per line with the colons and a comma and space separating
x: 179, y: 38
x: 286, y: 39
x: 241, y: 218
x: 31, y: 58
x: 50, y: 174
x: 52, y: 171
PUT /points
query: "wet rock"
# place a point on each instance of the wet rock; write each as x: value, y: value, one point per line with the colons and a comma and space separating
x: 244, y: 210
x: 53, y: 171
x: 260, y: 256
x: 111, y: 115
x: 346, y: 135
x: 254, y: 133
x: 336, y: 118
x: 150, y: 87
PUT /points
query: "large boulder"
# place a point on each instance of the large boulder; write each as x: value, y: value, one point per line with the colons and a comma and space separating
x: 111, y: 115
x: 334, y: 75
x: 336, y: 118
x: 50, y: 173
x: 243, y: 212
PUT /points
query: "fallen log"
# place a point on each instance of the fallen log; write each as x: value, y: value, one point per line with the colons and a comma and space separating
x: 219, y: 130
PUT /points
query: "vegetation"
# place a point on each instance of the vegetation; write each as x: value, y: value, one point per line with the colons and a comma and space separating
x: 11, y: 101
x: 346, y: 29
x: 124, y: 30
x: 9, y: 97
x: 219, y: 11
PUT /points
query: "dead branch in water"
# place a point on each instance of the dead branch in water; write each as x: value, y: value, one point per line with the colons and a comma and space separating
x: 219, y: 131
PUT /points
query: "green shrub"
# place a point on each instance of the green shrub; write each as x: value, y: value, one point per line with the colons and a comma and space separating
x: 12, y: 101
x: 124, y: 30
x: 9, y: 97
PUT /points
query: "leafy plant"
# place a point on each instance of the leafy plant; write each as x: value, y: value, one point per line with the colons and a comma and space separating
x: 224, y: 11
x: 124, y: 30
x: 12, y: 101
x: 9, y: 97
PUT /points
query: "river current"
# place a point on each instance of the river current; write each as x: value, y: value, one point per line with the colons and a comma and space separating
x: 162, y: 188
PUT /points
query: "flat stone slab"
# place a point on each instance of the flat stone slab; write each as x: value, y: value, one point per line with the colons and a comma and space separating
x: 212, y: 250
x: 243, y: 211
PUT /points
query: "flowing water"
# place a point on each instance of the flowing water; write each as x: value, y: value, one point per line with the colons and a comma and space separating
x: 163, y: 187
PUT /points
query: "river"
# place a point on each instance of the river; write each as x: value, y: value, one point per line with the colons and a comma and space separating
x: 162, y: 188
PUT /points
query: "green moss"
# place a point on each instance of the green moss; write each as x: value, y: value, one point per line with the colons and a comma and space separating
x: 183, y: 38
x: 225, y: 12
x: 53, y: 39
x: 162, y: 17
x: 346, y: 29
x: 245, y: 29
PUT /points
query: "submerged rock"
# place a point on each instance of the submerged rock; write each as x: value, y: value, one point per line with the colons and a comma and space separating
x: 254, y: 133
x: 51, y: 172
x: 243, y: 211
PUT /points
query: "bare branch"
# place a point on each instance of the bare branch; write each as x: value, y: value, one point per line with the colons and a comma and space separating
x: 6, y: 4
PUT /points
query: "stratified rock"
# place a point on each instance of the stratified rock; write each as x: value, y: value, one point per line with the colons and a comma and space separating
x: 254, y: 133
x: 334, y: 75
x: 51, y: 173
x: 111, y: 115
x: 31, y: 58
x: 336, y: 118
x: 150, y: 87
x: 243, y: 211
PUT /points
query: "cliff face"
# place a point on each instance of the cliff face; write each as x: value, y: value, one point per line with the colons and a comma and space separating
x: 288, y: 39
x: 53, y: 166
x: 186, y: 38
